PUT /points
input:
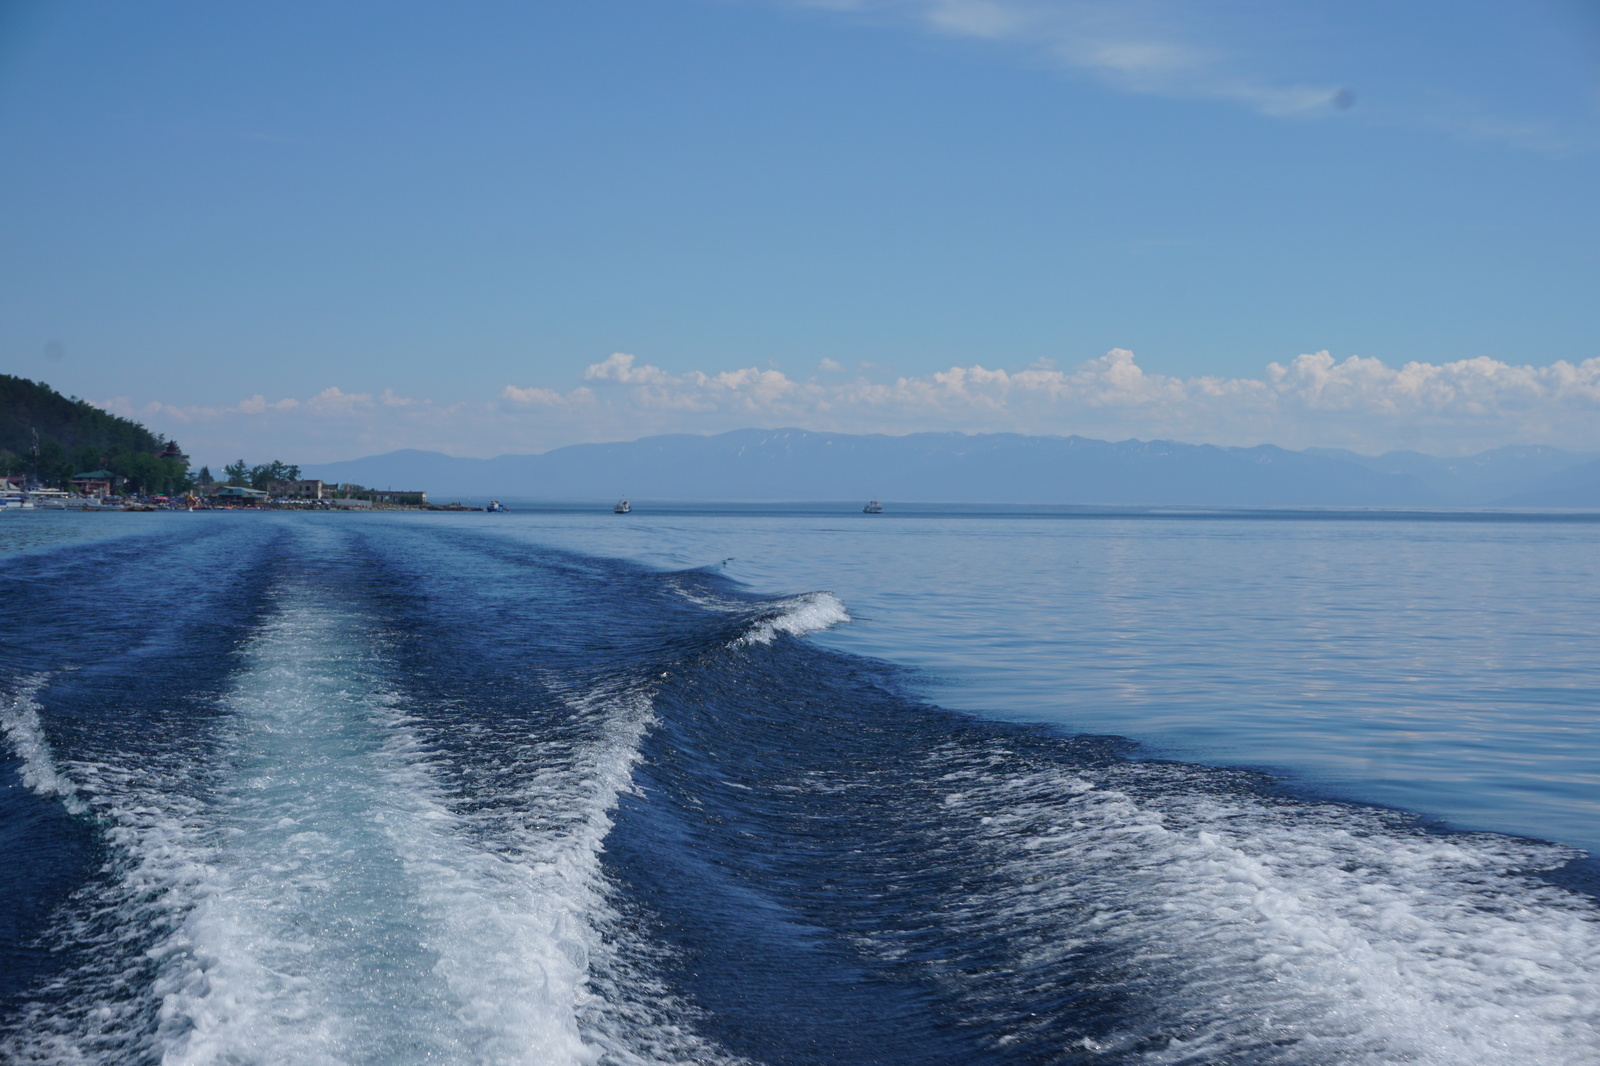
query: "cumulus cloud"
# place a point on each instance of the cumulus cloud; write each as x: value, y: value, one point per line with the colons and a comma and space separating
x: 334, y: 400
x: 1314, y: 399
x: 619, y: 367
x: 1452, y: 407
x: 547, y: 397
x: 256, y: 404
x: 750, y: 389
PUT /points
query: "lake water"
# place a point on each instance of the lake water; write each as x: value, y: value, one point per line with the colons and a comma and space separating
x: 1446, y: 666
x: 689, y: 786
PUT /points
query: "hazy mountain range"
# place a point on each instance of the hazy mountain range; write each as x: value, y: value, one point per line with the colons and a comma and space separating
x: 798, y: 465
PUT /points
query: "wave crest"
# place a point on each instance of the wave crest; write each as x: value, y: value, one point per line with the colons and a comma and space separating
x: 21, y: 725
x: 797, y: 616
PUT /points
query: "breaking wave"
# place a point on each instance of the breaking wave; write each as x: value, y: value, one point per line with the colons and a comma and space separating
x: 797, y: 616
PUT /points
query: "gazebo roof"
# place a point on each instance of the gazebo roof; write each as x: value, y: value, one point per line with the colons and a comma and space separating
x: 94, y: 475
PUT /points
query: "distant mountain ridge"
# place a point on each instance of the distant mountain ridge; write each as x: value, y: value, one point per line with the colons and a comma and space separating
x: 796, y: 465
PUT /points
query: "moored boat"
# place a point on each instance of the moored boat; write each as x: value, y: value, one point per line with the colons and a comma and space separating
x: 51, y: 499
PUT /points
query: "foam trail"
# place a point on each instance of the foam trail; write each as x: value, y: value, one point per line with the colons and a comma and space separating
x: 346, y: 917
x: 329, y: 903
x: 20, y: 722
x: 531, y: 776
x: 1264, y: 931
x: 797, y: 616
x: 99, y: 1012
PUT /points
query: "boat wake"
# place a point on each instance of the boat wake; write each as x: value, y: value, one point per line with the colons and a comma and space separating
x: 796, y: 617
x: 432, y: 797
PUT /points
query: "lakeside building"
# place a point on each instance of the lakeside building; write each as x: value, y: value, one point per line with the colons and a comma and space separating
x: 95, y: 483
x: 394, y: 496
x: 240, y: 495
x: 298, y: 490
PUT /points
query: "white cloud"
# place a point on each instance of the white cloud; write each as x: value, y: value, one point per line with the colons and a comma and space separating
x: 619, y: 367
x: 258, y: 403
x: 1250, y: 55
x: 1155, y: 47
x: 1453, y: 407
x: 1314, y: 399
x: 333, y: 400
x: 547, y: 397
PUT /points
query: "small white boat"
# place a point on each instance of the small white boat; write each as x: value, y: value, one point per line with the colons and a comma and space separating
x: 872, y: 507
x: 15, y: 501
x: 622, y: 507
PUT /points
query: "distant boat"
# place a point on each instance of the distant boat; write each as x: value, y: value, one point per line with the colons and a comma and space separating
x: 50, y: 499
x: 873, y: 507
x: 496, y: 506
x: 622, y: 506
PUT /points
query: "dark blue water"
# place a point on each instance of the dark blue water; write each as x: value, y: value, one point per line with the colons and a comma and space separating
x: 321, y: 789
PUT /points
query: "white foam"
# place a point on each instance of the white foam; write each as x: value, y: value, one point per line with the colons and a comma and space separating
x: 1281, y: 932
x: 348, y: 916
x: 152, y: 829
x: 330, y: 904
x: 20, y: 722
x: 797, y: 616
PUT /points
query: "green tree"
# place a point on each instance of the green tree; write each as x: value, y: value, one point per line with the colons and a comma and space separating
x: 238, y: 473
x: 140, y: 472
x: 51, y: 465
x: 33, y: 414
x: 277, y: 470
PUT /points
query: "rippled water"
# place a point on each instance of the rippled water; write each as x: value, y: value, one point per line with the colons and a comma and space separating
x: 1441, y: 665
x: 703, y: 788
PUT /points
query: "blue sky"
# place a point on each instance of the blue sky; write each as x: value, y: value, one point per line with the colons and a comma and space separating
x: 321, y: 230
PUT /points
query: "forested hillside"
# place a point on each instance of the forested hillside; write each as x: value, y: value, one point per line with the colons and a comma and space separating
x: 52, y: 437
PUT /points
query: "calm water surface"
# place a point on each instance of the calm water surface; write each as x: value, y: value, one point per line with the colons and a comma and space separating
x: 1443, y: 666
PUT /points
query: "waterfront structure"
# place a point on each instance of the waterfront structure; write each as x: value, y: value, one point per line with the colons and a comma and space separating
x: 239, y: 495
x: 310, y: 489
x: 95, y: 483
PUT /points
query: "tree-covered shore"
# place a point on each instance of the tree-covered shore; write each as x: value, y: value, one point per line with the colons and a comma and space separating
x: 50, y: 438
